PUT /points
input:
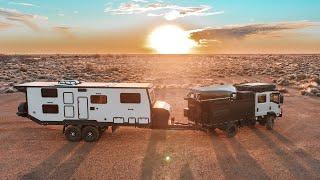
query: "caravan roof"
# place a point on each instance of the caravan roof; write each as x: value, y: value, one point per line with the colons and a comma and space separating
x: 86, y: 85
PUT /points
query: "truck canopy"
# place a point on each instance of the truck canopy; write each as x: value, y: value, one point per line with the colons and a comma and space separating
x: 212, y: 92
x: 255, y: 87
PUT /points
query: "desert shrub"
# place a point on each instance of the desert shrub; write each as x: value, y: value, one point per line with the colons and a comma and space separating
x: 89, y: 67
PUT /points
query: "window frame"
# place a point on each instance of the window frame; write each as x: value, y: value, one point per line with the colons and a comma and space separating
x: 95, y: 95
x: 262, y: 95
x: 129, y: 102
x: 271, y: 99
x: 49, y: 111
x: 43, y: 95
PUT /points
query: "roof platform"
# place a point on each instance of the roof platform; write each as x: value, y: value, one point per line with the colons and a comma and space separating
x: 256, y: 87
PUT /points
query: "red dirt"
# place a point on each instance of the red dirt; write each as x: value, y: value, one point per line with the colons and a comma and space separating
x: 31, y: 151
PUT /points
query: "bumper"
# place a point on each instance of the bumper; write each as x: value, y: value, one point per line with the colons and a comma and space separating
x: 22, y: 114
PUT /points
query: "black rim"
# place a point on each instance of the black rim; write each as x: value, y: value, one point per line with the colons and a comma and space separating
x: 73, y: 134
x: 231, y: 130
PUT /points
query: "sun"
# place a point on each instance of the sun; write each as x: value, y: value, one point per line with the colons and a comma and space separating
x: 170, y: 39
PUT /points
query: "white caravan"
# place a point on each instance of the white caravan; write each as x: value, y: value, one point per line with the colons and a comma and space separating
x: 86, y: 109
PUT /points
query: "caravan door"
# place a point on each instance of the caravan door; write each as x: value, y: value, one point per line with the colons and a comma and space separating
x: 83, y: 108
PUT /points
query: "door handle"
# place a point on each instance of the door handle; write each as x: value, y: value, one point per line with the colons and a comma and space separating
x: 92, y: 108
x: 130, y: 109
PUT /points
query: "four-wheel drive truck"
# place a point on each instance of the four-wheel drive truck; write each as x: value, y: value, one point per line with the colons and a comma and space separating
x: 228, y: 107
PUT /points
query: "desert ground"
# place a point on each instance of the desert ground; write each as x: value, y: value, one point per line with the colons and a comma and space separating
x: 290, y: 151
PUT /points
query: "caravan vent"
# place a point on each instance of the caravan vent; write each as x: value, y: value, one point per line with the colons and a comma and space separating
x: 69, y: 82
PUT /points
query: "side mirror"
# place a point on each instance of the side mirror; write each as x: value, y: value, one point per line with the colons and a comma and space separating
x: 281, y: 99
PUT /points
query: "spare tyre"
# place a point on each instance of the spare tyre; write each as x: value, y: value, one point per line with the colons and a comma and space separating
x: 22, y: 109
x: 160, y: 115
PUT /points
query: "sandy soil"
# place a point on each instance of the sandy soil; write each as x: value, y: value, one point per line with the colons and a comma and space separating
x: 291, y: 151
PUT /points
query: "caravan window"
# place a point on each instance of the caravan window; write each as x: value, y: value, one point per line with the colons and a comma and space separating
x: 50, y: 109
x: 46, y: 92
x: 130, y: 98
x: 99, y: 99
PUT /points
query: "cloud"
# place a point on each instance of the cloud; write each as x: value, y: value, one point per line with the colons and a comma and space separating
x: 239, y: 32
x: 140, y: 1
x: 65, y: 31
x: 4, y: 25
x: 27, y: 19
x: 23, y: 4
x: 168, y: 11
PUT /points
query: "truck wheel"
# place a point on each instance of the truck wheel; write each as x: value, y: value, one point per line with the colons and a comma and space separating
x: 90, y: 133
x: 252, y: 123
x: 73, y: 133
x: 231, y: 130
x: 262, y: 122
x: 270, y: 122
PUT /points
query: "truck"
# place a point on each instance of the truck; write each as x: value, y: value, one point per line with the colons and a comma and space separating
x: 87, y: 109
x: 228, y: 107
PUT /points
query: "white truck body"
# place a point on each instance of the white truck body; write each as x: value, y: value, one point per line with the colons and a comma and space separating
x: 269, y: 102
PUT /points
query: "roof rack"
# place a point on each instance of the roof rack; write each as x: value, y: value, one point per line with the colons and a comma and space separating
x: 256, y: 87
x: 69, y: 82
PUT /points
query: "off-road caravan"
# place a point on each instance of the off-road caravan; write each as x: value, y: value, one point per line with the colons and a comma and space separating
x: 86, y: 109
x: 229, y: 107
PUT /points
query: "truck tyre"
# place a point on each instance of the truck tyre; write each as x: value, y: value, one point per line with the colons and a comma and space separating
x: 270, y: 122
x: 262, y: 122
x: 252, y: 123
x: 73, y: 133
x: 231, y: 130
x: 90, y: 133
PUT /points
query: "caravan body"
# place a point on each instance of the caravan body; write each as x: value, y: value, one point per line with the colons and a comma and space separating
x: 90, y: 103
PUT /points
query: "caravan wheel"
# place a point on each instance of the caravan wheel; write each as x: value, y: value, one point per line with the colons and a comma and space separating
x: 90, y: 133
x: 73, y: 133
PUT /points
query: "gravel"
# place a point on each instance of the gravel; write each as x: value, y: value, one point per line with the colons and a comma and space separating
x: 291, y: 151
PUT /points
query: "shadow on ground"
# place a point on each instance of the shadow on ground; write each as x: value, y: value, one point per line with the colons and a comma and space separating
x: 300, y: 163
x: 236, y: 164
x: 63, y: 163
x: 152, y: 159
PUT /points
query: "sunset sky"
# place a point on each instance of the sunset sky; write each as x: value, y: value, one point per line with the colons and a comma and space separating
x: 146, y: 26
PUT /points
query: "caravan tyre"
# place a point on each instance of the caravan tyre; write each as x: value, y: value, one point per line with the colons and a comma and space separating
x: 231, y: 130
x: 90, y: 133
x: 270, y: 122
x: 73, y: 133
